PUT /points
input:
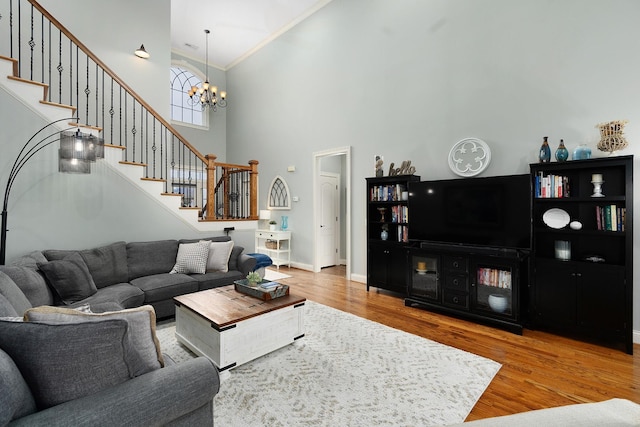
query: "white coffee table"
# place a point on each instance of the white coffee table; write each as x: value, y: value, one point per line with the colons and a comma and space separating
x: 232, y: 328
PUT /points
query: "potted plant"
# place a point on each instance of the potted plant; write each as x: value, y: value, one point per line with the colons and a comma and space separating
x: 253, y: 279
x: 272, y: 225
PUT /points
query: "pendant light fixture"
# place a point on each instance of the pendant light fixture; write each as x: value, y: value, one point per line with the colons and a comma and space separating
x: 207, y: 95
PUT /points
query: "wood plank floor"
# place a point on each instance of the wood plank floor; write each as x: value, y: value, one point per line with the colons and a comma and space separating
x: 539, y: 370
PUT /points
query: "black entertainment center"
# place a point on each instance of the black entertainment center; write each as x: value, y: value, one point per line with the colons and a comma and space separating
x: 473, y: 237
x: 481, y: 248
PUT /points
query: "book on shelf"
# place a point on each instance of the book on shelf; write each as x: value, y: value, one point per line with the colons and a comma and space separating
x: 403, y: 233
x: 494, y: 277
x: 551, y: 186
x: 386, y: 193
x: 610, y: 218
x: 399, y: 214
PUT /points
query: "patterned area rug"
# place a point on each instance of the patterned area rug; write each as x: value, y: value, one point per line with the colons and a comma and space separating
x: 348, y: 371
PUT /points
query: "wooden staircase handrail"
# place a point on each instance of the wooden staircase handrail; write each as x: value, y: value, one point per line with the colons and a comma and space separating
x: 115, y: 77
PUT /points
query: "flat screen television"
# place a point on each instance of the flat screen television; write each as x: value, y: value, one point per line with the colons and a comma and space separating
x: 491, y: 211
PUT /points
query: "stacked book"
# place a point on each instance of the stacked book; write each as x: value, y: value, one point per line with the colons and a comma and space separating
x: 386, y: 193
x: 547, y: 186
x: 610, y: 218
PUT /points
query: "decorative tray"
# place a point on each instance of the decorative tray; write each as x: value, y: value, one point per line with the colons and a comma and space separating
x: 272, y: 290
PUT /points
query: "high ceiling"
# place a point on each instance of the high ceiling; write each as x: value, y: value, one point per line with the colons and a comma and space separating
x: 238, y: 27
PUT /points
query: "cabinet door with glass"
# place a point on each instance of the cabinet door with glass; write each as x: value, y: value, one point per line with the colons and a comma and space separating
x: 494, y: 288
x: 425, y: 276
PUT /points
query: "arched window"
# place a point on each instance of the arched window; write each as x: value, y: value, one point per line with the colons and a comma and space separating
x: 182, y: 110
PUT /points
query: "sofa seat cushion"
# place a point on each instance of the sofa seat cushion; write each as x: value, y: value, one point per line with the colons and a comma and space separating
x: 92, y: 358
x: 143, y: 346
x: 32, y: 284
x: 123, y: 294
x: 16, y: 400
x: 149, y: 258
x: 216, y: 279
x: 158, y: 287
x: 70, y: 278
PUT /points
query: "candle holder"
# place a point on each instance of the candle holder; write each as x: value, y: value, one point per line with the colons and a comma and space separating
x: 382, y: 211
x: 597, y: 181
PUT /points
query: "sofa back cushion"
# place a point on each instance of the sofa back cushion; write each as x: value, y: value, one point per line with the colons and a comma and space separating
x: 142, y: 345
x: 107, y: 264
x: 6, y: 309
x: 31, y: 282
x: 92, y: 358
x: 13, y: 294
x: 149, y: 258
x: 16, y: 400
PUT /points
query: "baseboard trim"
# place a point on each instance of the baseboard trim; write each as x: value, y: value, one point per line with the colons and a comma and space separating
x: 636, y: 337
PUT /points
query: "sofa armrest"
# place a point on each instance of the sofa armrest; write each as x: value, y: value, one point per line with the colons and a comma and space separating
x: 155, y: 398
x: 246, y: 264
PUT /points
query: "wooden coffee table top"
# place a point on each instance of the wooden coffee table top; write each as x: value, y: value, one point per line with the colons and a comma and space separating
x: 225, y: 306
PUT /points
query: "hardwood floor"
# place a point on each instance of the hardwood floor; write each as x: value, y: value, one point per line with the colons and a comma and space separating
x: 539, y: 370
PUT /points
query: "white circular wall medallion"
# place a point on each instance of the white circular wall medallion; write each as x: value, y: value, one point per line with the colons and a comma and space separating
x: 469, y: 157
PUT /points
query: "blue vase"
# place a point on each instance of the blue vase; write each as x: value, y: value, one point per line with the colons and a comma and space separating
x: 545, y: 151
x: 562, y: 154
x: 582, y: 152
x: 285, y: 222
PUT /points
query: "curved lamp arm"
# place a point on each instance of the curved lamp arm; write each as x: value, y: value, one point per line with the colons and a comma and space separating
x: 23, y: 157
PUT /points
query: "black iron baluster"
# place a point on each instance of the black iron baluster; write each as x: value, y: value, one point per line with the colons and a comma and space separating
x: 31, y: 46
x: 87, y: 91
x: 60, y: 68
x: 50, y: 58
x: 42, y: 48
x: 111, y: 113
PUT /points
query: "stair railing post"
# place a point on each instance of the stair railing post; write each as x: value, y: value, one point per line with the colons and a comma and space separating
x: 253, y: 196
x: 211, y: 185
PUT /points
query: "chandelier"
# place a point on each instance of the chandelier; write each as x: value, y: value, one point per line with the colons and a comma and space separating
x: 206, y: 94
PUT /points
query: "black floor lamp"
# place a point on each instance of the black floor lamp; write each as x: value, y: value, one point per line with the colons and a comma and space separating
x: 77, y: 151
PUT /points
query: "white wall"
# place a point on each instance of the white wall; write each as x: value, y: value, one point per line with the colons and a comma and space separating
x: 407, y: 79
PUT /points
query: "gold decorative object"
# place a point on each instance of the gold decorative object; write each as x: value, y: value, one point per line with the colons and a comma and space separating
x: 612, y: 136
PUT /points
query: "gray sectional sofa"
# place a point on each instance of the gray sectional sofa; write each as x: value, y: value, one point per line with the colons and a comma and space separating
x: 60, y: 366
x: 125, y: 274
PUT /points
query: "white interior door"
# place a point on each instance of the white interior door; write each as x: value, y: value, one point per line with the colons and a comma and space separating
x: 329, y: 213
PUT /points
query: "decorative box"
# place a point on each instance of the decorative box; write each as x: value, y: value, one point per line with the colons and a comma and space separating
x: 259, y: 292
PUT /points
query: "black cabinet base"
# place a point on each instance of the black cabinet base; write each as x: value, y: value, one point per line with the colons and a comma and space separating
x: 506, y: 325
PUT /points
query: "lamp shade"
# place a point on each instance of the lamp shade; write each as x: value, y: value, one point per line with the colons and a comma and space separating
x: 141, y: 52
x: 265, y: 214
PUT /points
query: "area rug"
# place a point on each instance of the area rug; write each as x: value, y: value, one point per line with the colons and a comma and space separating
x: 274, y: 275
x: 348, y: 371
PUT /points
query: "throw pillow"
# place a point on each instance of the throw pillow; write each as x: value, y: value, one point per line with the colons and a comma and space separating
x: 192, y: 258
x: 142, y: 345
x: 66, y: 362
x: 219, y: 253
x: 70, y: 278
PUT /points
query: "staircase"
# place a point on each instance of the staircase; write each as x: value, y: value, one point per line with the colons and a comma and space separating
x: 139, y: 144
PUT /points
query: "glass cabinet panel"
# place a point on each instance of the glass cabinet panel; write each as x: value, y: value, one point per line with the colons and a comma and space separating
x: 494, y: 289
x: 425, y: 275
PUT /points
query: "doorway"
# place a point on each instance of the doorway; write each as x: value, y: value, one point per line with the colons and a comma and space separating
x: 336, y: 162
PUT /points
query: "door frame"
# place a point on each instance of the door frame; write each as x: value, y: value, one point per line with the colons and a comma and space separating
x: 317, y: 157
